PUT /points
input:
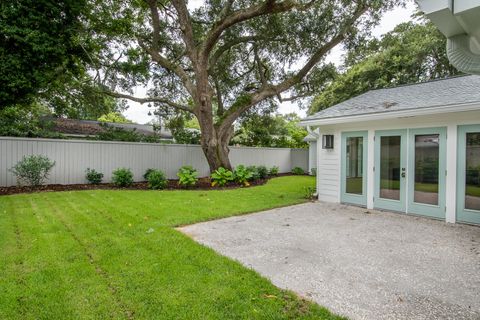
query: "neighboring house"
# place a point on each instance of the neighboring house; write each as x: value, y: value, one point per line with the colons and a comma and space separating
x: 87, y: 128
x: 413, y: 149
x: 459, y: 21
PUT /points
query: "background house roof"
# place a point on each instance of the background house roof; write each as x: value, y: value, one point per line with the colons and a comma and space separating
x: 85, y: 128
x: 443, y: 92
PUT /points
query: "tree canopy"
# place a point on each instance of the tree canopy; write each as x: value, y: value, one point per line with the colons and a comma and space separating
x: 38, y: 44
x: 226, y: 57
x: 413, y: 52
x: 270, y: 130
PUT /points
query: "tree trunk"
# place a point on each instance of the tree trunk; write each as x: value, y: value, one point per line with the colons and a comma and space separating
x: 216, y: 150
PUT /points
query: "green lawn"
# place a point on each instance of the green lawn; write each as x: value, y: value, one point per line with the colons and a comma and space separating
x: 473, y: 191
x: 115, y: 254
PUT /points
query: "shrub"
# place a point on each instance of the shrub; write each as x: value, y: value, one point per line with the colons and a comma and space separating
x: 309, y: 192
x: 221, y: 177
x: 243, y: 175
x: 274, y: 171
x: 122, y: 177
x: 187, y: 176
x: 254, y: 173
x: 145, y: 175
x: 313, y: 171
x: 93, y: 176
x: 298, y: 171
x: 156, y: 180
x: 262, y: 172
x: 33, y: 170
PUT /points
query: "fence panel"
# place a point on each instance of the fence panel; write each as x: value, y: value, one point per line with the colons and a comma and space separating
x: 73, y: 157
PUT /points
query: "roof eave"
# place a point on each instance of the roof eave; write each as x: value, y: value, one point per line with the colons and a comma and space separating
x: 391, y: 114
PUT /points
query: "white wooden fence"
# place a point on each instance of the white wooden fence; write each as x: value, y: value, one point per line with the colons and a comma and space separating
x: 73, y: 157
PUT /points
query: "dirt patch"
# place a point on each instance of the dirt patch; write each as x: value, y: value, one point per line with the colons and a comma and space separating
x: 203, y: 184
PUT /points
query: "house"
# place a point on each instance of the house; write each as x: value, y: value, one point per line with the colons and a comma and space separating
x: 74, y: 128
x: 459, y: 21
x: 413, y: 149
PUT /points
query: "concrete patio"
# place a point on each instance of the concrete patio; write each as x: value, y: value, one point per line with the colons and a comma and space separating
x: 359, y: 263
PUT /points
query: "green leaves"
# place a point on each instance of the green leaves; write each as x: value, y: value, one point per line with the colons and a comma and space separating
x: 37, y: 44
x: 187, y: 176
x: 221, y: 177
x: 243, y: 175
x: 412, y: 52
x: 33, y: 170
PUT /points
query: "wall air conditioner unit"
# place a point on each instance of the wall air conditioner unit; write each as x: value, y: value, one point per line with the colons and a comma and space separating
x: 327, y: 141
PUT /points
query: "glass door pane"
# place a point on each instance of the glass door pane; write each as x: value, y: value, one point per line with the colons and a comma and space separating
x: 353, y: 182
x: 472, y: 171
x: 427, y: 157
x: 354, y: 165
x: 390, y: 167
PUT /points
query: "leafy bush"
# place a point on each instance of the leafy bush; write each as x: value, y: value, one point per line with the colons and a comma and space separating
x: 243, y: 175
x: 262, y: 172
x: 298, y: 171
x: 33, y: 170
x: 274, y: 171
x: 93, y: 176
x: 313, y: 171
x: 221, y: 177
x: 122, y: 177
x: 309, y: 193
x: 156, y: 180
x: 147, y: 173
x: 254, y: 173
x: 187, y: 176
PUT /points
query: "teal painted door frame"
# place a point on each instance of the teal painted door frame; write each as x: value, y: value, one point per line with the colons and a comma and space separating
x: 350, y: 197
x: 383, y: 203
x: 464, y: 215
x: 434, y: 211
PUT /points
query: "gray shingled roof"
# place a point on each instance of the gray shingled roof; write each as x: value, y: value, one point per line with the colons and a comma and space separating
x: 444, y: 92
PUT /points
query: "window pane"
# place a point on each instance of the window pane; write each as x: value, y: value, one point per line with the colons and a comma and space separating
x: 472, y: 177
x: 427, y: 151
x: 354, y: 169
x: 390, y: 167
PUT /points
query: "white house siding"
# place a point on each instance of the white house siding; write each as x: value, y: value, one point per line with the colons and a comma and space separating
x: 329, y: 160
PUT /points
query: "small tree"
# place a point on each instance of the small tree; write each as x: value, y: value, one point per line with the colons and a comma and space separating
x: 33, y: 170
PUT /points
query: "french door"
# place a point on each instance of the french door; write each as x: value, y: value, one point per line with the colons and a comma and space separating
x: 410, y: 171
x: 390, y: 169
x: 354, y: 167
x: 427, y: 163
x: 468, y: 174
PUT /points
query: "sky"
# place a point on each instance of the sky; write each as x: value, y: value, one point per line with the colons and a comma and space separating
x: 139, y: 113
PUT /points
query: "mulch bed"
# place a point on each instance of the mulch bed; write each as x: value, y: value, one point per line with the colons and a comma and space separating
x: 203, y: 184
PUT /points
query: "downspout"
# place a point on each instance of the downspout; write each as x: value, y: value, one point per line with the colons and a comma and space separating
x: 461, y: 56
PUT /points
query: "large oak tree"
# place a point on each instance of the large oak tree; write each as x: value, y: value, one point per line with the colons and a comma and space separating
x: 226, y: 57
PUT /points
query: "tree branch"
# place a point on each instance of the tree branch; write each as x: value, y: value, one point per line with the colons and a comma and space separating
x: 269, y: 91
x: 152, y: 4
x: 149, y: 99
x: 228, y: 45
x: 186, y: 28
x: 168, y: 65
x: 264, y: 8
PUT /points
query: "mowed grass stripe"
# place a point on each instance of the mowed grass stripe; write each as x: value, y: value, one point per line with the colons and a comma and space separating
x: 156, y: 271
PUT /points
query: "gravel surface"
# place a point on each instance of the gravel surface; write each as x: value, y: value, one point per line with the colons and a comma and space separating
x: 359, y: 263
